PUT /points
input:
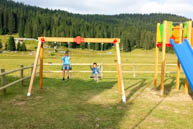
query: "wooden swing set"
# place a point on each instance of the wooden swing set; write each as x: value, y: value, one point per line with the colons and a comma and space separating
x: 165, y: 32
x: 78, y: 40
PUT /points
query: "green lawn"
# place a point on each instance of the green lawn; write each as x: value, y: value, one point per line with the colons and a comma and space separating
x: 81, y: 103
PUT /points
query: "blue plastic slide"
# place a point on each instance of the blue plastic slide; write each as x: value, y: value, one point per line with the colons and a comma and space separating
x: 184, y: 53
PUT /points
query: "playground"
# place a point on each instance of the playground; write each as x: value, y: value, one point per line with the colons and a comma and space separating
x: 129, y: 94
x: 81, y: 103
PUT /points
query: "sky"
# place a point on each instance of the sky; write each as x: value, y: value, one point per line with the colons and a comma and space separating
x: 110, y: 7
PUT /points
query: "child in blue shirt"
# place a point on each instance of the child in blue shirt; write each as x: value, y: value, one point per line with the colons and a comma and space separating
x: 95, y: 71
x: 66, y: 65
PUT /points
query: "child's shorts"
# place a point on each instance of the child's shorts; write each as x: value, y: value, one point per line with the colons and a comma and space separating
x: 94, y: 74
x: 66, y: 67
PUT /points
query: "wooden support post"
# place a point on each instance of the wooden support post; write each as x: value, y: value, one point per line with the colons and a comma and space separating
x: 41, y: 65
x: 34, y: 70
x: 163, y: 56
x: 189, y: 37
x: 178, y: 75
x: 119, y: 71
x: 190, y: 32
x: 3, y: 80
x: 134, y: 70
x: 186, y: 86
x: 21, y: 75
x: 178, y: 62
x: 102, y: 60
x: 156, y: 58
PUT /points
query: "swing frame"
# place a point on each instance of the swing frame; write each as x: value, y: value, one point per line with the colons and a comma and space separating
x: 78, y: 40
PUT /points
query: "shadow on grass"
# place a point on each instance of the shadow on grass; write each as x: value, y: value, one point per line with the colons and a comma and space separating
x: 136, y: 87
x: 168, y: 86
x: 147, y: 115
x: 66, y: 104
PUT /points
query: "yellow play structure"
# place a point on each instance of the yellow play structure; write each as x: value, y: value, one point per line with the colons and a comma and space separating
x: 77, y: 40
x: 166, y: 31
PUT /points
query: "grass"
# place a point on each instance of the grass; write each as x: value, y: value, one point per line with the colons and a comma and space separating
x: 80, y: 103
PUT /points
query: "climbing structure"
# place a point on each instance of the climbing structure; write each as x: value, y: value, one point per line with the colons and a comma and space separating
x: 178, y: 32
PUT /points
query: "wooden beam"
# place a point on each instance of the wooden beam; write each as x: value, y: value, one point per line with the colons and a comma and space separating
x: 165, y: 36
x: 41, y: 65
x: 178, y: 62
x: 156, y: 58
x: 57, y: 39
x: 119, y: 71
x: 88, y: 40
x: 186, y: 86
x: 189, y: 37
x: 34, y: 70
x: 192, y: 37
x: 101, y: 40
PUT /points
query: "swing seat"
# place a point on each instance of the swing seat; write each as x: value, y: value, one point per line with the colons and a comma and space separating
x: 92, y: 76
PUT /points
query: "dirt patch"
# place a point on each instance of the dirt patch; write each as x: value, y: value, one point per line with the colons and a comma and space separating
x: 20, y: 103
x: 174, y: 96
x: 179, y: 97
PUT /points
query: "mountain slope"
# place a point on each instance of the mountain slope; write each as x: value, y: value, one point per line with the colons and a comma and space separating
x: 135, y: 30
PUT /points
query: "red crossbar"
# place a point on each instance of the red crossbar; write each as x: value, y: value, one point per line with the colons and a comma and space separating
x: 160, y: 45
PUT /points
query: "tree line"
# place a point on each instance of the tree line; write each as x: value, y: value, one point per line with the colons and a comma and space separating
x: 135, y: 30
x: 12, y: 46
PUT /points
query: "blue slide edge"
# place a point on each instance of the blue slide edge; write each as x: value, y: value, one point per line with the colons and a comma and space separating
x: 184, y: 53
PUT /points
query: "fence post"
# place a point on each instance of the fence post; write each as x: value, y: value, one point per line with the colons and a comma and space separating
x: 134, y: 70
x: 21, y: 75
x: 3, y: 80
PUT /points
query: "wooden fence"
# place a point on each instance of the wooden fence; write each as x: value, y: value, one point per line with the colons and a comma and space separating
x: 133, y: 71
x: 3, y: 74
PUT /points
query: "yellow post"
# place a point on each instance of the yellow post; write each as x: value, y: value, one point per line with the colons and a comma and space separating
x: 189, y: 37
x: 156, y: 57
x: 41, y: 65
x: 163, y: 56
x: 34, y: 70
x: 178, y: 62
x: 119, y: 71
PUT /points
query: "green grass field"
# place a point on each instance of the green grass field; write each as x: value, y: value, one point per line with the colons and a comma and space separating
x: 81, y: 103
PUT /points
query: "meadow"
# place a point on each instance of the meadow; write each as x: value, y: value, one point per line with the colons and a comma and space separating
x: 81, y: 103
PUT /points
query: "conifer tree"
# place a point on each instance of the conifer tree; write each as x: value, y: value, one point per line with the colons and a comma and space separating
x: 11, y: 44
x: 23, y: 47
x: 18, y: 46
x: 1, y: 45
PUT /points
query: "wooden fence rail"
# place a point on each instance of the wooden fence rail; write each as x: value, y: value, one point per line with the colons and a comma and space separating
x: 105, y: 64
x: 134, y: 71
x: 3, y: 74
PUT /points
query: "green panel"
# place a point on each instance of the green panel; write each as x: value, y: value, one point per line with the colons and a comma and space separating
x: 161, y: 31
x: 171, y: 26
x: 185, y: 29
